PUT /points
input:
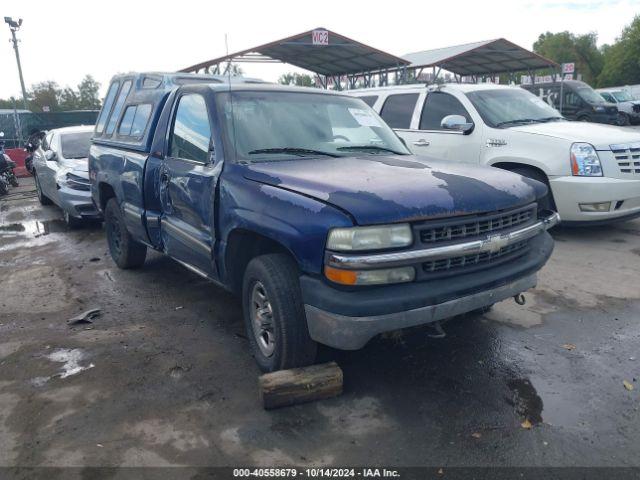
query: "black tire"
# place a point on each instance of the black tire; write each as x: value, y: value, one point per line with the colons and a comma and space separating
x: 71, y: 221
x: 623, y: 119
x: 584, y: 118
x: 547, y: 202
x: 278, y: 276
x: 14, y: 181
x: 125, y: 251
x: 42, y: 198
x: 4, y: 188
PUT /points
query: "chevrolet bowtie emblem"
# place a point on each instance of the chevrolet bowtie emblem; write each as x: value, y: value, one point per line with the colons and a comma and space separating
x: 494, y: 243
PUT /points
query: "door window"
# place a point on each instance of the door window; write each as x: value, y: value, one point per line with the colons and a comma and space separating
x: 398, y: 110
x: 437, y: 106
x: 191, y: 133
x: 571, y: 98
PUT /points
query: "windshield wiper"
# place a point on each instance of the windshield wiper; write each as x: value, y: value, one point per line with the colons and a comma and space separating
x: 293, y: 151
x: 370, y: 147
x: 550, y: 119
x: 514, y: 122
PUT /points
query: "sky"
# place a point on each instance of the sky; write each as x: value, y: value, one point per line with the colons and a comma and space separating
x: 63, y: 40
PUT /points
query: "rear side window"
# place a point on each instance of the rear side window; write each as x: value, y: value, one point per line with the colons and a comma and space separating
x: 106, y: 108
x: 134, y: 121
x: 369, y: 100
x: 398, y: 110
x: 437, y: 106
x: 117, y: 108
x: 191, y: 134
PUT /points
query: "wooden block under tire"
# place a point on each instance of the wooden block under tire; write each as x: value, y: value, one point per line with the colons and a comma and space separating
x: 300, y: 385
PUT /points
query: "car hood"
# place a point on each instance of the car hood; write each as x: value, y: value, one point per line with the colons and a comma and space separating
x: 77, y: 164
x: 376, y: 189
x: 598, y: 135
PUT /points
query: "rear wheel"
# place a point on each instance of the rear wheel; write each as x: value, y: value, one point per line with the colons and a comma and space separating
x: 42, y: 198
x: 274, y: 314
x: 125, y: 251
x: 546, y: 202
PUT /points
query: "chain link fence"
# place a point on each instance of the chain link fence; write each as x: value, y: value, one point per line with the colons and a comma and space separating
x: 18, y: 125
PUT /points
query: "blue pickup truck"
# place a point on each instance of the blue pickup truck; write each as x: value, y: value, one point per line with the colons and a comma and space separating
x: 309, y: 207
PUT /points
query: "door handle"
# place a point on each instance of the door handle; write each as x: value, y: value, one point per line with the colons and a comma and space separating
x: 422, y: 143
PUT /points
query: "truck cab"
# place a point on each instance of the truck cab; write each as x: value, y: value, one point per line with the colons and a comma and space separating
x: 308, y: 206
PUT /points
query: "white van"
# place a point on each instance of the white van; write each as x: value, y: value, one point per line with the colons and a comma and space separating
x: 593, y: 170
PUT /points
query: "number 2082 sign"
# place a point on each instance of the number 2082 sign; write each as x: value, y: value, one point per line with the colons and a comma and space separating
x: 320, y: 37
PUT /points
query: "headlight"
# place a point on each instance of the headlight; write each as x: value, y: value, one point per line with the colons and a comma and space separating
x: 585, y: 161
x: 76, y: 182
x: 370, y: 238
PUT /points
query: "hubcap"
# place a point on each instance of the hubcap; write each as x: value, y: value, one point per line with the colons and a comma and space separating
x: 262, y: 320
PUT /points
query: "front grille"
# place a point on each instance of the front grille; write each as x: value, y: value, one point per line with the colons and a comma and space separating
x: 452, y: 265
x: 628, y: 157
x: 468, y: 227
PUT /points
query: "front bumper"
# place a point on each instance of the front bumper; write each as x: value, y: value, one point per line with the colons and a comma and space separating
x: 78, y: 203
x: 348, y: 319
x: 570, y: 192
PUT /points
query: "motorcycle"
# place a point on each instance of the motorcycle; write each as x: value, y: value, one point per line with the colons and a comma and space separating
x: 33, y: 142
x: 7, y: 176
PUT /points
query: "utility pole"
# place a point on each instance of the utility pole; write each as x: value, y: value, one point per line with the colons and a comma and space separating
x: 14, y: 27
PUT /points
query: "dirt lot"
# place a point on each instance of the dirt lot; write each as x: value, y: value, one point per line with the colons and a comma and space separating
x: 164, y: 376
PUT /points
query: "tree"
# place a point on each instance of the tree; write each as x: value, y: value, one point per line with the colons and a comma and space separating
x: 565, y: 47
x: 298, y: 79
x: 88, y: 97
x: 43, y: 96
x: 68, y: 99
x: 622, y: 59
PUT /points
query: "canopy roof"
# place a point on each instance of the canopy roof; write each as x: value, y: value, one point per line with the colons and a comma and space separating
x: 329, y: 55
x: 480, y: 58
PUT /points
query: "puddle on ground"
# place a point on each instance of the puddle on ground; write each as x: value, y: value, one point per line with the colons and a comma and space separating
x: 525, y: 400
x: 71, y: 359
x: 34, y: 228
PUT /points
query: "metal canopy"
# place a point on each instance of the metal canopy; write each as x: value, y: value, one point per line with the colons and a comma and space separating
x: 332, y: 55
x: 481, y: 58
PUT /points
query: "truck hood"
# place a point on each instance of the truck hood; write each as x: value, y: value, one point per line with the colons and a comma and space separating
x: 598, y: 135
x: 377, y: 189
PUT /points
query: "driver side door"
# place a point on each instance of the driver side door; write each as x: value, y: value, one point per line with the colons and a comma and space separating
x: 188, y: 177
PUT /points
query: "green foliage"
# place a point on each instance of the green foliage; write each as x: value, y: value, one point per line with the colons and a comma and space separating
x: 565, y: 47
x: 622, y: 59
x: 49, y: 95
x: 298, y: 79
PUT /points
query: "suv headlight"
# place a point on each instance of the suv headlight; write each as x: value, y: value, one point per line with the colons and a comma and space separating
x: 585, y: 161
x: 370, y: 238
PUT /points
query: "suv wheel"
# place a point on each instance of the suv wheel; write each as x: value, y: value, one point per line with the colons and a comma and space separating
x: 125, y: 251
x: 42, y: 198
x: 274, y: 314
x: 623, y: 119
x: 71, y: 221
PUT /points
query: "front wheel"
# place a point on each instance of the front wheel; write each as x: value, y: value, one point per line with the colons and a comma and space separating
x: 546, y: 202
x: 125, y: 251
x: 71, y: 221
x: 274, y: 314
x: 42, y: 198
x: 623, y: 119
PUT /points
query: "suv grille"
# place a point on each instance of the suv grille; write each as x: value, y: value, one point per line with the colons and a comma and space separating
x: 628, y: 157
x: 467, y: 228
x: 467, y: 261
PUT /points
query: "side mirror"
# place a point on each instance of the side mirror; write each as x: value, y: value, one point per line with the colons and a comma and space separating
x: 457, y: 123
x: 50, y: 156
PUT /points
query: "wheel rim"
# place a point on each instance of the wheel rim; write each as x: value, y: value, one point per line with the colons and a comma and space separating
x: 114, y: 234
x: 262, y: 320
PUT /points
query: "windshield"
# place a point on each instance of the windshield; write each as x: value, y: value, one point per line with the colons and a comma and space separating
x: 622, y: 96
x: 509, y: 107
x: 589, y: 95
x: 270, y: 126
x: 76, y: 145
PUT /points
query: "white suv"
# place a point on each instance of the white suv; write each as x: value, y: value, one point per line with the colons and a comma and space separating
x: 593, y: 170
